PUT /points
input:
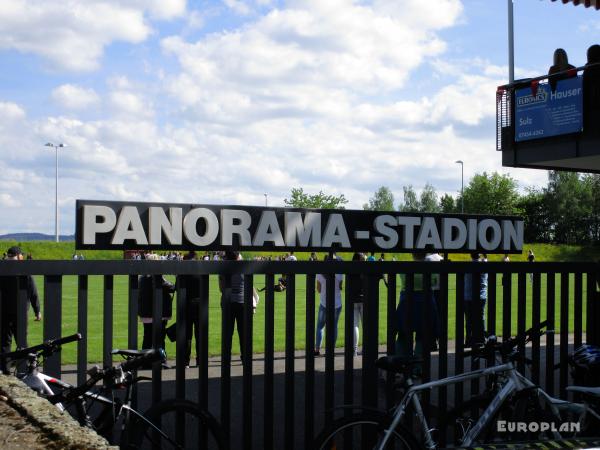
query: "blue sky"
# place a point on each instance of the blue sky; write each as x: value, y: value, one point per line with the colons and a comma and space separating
x: 223, y: 101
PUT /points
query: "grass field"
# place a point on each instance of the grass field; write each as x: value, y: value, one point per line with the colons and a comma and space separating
x: 69, y: 323
x: 64, y: 250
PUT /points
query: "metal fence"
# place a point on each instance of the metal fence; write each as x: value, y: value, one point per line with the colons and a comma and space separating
x: 519, y: 295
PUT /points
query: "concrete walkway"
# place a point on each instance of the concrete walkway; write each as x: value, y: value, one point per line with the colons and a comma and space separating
x: 214, y: 373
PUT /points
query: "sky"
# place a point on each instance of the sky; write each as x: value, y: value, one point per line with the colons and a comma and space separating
x: 224, y: 101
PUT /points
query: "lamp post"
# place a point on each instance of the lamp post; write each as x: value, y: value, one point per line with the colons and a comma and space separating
x: 266, y: 199
x: 462, y: 185
x: 56, y: 147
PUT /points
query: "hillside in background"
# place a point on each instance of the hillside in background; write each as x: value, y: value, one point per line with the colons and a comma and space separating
x: 48, y: 250
x: 35, y: 237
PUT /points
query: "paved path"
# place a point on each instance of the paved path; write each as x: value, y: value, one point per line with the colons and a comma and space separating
x: 168, y: 389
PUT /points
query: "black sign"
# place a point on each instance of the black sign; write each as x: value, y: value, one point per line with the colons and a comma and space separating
x: 103, y: 225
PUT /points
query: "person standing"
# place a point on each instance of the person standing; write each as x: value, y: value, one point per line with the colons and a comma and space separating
x: 475, y: 296
x: 9, y: 292
x: 232, y: 303
x: 591, y: 92
x: 530, y: 258
x: 191, y: 284
x: 145, y: 306
x: 321, y: 317
x: 356, y: 286
x: 410, y: 318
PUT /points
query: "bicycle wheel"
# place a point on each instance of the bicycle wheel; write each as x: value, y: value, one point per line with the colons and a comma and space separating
x: 183, y: 425
x: 363, y: 431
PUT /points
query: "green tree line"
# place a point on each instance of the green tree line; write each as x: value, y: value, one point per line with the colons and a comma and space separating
x: 565, y: 211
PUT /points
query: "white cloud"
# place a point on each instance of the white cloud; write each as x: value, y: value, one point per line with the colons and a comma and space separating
x: 75, y: 97
x: 315, y: 94
x: 238, y: 6
x: 130, y: 103
x: 71, y: 35
x: 10, y: 111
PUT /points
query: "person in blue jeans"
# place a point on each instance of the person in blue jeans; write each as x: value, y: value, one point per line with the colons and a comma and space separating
x: 321, y: 317
x: 475, y: 296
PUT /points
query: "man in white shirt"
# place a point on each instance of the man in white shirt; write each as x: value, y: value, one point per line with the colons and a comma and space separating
x: 321, y: 318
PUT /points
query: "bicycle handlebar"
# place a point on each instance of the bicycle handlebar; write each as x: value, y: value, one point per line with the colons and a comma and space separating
x: 47, y: 348
x: 111, y: 374
x: 505, y: 348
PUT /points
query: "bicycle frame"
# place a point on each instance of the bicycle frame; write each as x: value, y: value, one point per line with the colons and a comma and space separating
x: 514, y: 384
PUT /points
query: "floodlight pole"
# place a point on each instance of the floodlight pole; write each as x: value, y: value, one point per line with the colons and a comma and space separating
x: 462, y: 185
x: 266, y: 198
x: 56, y: 147
x: 511, y: 44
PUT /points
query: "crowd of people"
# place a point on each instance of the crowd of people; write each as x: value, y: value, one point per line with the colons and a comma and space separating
x: 410, y: 311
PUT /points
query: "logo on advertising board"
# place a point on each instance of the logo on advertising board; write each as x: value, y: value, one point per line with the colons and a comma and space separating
x: 107, y: 225
x: 549, y: 113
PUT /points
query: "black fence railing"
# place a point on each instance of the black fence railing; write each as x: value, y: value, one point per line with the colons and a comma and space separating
x: 283, y: 398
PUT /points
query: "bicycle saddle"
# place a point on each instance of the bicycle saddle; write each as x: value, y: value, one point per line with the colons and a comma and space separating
x: 593, y: 391
x: 130, y: 353
x: 397, y: 364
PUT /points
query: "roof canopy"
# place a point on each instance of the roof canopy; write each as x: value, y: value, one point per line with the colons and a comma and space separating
x: 586, y: 3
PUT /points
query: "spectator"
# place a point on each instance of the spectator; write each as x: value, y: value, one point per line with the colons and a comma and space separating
x: 505, y: 277
x: 321, y: 318
x: 410, y: 320
x: 9, y: 291
x: 435, y: 282
x: 291, y: 257
x: 313, y: 257
x: 530, y: 258
x: 145, y: 306
x: 475, y: 296
x: 191, y: 284
x: 279, y: 287
x: 371, y: 257
x: 232, y: 303
x: 591, y: 92
x: 561, y: 64
x: 356, y: 286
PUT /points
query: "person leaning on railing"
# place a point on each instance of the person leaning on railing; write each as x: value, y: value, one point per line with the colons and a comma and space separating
x: 561, y: 64
x: 591, y: 92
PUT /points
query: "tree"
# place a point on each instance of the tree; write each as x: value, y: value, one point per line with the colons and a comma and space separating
x: 593, y: 181
x: 411, y: 203
x: 491, y: 194
x: 382, y: 200
x: 447, y: 204
x: 570, y: 207
x: 300, y: 199
x: 429, y: 200
x: 538, y: 222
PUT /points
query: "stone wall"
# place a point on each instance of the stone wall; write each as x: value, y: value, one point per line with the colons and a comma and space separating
x: 29, y: 421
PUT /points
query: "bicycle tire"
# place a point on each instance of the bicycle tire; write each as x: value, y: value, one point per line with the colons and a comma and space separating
x: 365, y: 429
x: 197, y: 422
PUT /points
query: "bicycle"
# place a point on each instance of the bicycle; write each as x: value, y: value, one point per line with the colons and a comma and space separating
x: 382, y: 430
x: 172, y: 423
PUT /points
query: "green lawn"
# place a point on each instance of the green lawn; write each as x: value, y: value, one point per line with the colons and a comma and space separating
x: 95, y: 295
